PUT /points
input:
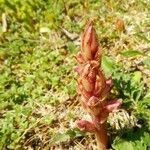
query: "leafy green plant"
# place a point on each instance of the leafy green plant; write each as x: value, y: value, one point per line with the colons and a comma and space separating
x: 135, y: 95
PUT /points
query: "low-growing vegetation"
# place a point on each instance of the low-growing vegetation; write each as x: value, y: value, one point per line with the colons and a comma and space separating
x: 38, y: 100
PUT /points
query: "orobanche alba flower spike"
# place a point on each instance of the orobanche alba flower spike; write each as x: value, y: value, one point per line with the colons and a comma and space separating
x: 93, y: 87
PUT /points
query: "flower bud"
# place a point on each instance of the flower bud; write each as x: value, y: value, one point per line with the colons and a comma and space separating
x: 100, y: 84
x: 108, y: 108
x: 94, y: 106
x: 93, y: 101
x: 86, y: 126
x: 113, y: 105
x: 88, y: 78
x: 89, y: 42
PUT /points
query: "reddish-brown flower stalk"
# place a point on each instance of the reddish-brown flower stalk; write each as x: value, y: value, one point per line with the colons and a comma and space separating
x: 93, y: 87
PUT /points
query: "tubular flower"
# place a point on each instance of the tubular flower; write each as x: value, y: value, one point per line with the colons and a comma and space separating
x: 93, y: 88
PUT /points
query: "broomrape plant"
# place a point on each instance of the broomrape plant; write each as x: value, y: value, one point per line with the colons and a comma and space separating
x: 93, y: 87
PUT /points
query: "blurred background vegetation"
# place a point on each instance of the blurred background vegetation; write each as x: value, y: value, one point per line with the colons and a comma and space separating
x: 38, y: 100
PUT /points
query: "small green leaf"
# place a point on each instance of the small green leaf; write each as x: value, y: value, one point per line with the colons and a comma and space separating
x: 123, y: 145
x: 147, y: 94
x: 131, y: 53
x: 137, y: 140
x: 136, y: 77
x: 75, y: 133
x: 71, y: 47
x: 108, y: 65
x: 60, y: 137
x: 147, y: 62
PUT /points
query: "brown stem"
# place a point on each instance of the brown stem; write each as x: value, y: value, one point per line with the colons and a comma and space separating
x: 102, y: 138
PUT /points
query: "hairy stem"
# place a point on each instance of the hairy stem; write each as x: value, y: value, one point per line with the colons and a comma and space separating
x: 102, y: 138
